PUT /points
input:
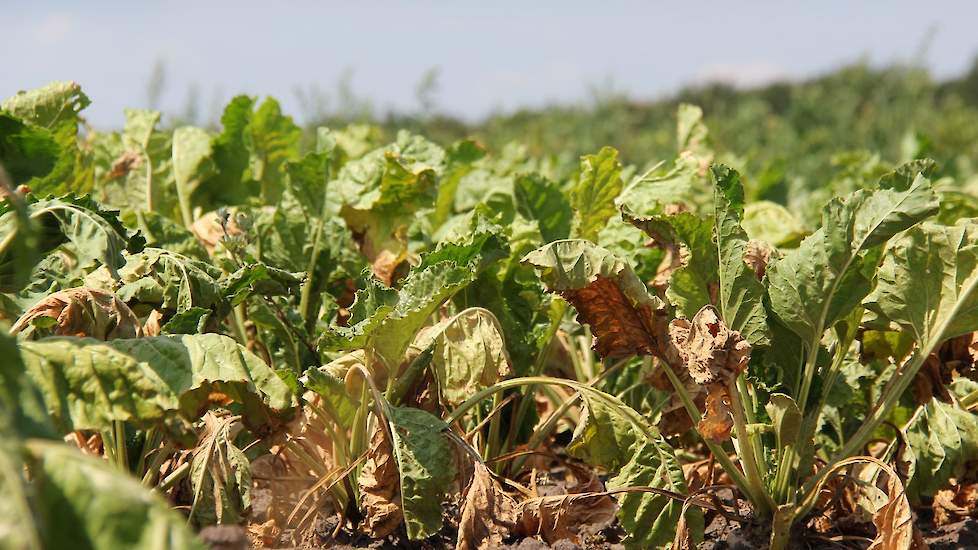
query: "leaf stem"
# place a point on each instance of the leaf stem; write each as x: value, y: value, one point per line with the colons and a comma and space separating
x: 748, y: 458
x: 721, y: 455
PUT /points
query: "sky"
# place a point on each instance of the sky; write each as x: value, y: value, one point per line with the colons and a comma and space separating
x: 488, y: 58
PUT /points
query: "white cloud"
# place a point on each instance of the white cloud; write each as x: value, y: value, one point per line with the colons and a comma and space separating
x: 54, y: 29
x: 742, y: 74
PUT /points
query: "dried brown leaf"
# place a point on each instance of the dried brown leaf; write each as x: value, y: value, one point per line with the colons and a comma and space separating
x: 757, y: 256
x: 583, y: 510
x: 127, y: 162
x: 895, y: 529
x: 81, y: 311
x: 621, y: 329
x: 385, y: 264
x: 713, y: 353
x: 716, y: 422
x: 571, y: 516
x: 211, y: 227
x: 153, y: 324
x: 380, y: 488
x: 674, y: 419
x: 264, y: 535
x: 955, y: 503
x: 488, y: 513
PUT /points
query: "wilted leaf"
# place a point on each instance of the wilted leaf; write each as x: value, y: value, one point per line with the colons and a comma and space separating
x: 380, y: 487
x: 955, y: 504
x: 469, y: 354
x: 422, y: 459
x: 895, y: 528
x: 569, y: 516
x: 79, y: 312
x: 170, y: 282
x: 488, y: 514
x: 606, y: 293
x: 220, y: 474
x: 713, y: 353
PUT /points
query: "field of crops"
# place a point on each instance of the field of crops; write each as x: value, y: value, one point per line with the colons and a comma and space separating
x: 262, y: 335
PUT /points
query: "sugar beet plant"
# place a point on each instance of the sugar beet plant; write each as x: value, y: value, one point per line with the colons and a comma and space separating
x: 286, y: 331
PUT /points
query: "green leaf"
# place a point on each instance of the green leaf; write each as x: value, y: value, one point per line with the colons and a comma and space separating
x: 607, y: 439
x: 273, y: 140
x: 539, y: 199
x: 381, y: 192
x: 606, y: 293
x: 79, y: 501
x: 22, y: 410
x: 593, y: 197
x: 689, y: 239
x: 50, y: 106
x: 741, y: 294
x: 650, y: 520
x: 26, y: 151
x: 162, y: 232
x: 927, y: 283
x: 328, y: 382
x: 92, y: 234
x: 19, y: 246
x: 134, y: 168
x: 88, y: 384
x: 833, y: 269
x: 423, y: 293
x: 171, y: 282
x: 481, y: 241
x: 370, y: 307
x: 944, y: 439
x: 260, y: 279
x: 191, y: 321
x: 786, y: 418
x: 193, y: 162
x: 426, y: 463
x: 386, y: 321
x: 251, y: 154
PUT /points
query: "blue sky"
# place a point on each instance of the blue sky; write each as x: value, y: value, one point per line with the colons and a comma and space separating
x: 503, y: 56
